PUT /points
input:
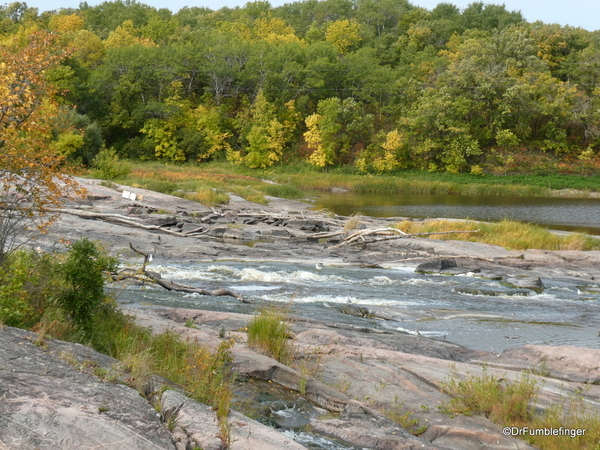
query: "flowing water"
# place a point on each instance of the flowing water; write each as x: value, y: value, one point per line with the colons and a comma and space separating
x: 477, y: 313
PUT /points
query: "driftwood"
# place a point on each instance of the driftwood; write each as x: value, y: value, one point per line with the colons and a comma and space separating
x: 145, y: 275
x: 429, y: 258
x: 376, y: 240
x: 360, y: 235
x: 388, y: 233
x: 118, y: 218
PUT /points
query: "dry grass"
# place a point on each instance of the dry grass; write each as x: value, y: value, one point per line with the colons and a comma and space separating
x: 507, y: 233
x: 512, y: 404
x: 207, y: 183
x: 353, y: 222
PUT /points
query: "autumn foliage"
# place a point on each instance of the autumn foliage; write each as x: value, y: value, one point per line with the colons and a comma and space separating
x: 381, y: 86
x: 30, y: 182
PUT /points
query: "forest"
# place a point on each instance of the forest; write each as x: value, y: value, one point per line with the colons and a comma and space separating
x: 378, y: 85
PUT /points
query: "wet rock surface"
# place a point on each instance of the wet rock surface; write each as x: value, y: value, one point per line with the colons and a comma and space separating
x: 358, y: 376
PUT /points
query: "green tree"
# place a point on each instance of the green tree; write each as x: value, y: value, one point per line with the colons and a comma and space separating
x: 335, y: 131
x: 267, y: 135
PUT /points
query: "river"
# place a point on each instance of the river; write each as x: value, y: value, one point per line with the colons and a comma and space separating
x: 568, y: 214
x: 477, y: 313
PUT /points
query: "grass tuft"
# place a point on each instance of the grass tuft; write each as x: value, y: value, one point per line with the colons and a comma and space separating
x: 353, y: 222
x: 404, y: 418
x: 498, y: 399
x: 269, y: 332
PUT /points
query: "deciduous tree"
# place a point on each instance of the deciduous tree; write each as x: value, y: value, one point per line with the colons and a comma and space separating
x: 30, y: 182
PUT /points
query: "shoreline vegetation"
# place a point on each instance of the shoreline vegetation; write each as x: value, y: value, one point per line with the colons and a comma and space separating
x: 210, y: 183
x: 509, y: 234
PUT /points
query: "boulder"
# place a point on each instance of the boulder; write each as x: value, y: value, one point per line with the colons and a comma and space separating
x: 242, y: 235
x: 435, y: 266
x: 161, y: 220
x: 310, y: 225
x: 564, y: 362
x: 48, y: 404
x: 526, y: 282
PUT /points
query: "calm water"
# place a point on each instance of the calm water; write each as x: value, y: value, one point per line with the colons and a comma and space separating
x: 556, y: 213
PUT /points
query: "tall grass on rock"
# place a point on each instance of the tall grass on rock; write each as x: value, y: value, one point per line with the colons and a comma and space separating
x: 506, y: 233
x: 512, y: 403
x: 269, y: 332
x: 496, y: 398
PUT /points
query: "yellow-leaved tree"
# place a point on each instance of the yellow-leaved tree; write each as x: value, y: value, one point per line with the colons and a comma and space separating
x: 268, y: 134
x: 343, y: 34
x: 31, y: 186
x: 383, y: 154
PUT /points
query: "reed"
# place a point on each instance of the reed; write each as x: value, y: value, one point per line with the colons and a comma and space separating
x: 296, y: 178
x: 506, y: 233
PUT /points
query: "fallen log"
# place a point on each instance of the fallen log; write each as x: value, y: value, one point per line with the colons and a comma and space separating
x: 369, y: 232
x: 118, y: 218
x: 145, y: 275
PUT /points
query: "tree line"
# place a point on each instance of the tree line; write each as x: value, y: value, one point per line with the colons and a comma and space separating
x: 382, y: 85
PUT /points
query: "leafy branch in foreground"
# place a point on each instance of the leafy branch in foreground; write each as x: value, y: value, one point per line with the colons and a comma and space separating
x: 31, y: 185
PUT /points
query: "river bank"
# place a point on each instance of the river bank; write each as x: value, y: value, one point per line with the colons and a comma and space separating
x: 352, y: 373
x: 172, y: 228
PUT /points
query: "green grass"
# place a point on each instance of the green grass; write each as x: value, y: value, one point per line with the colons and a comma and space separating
x: 506, y: 233
x: 511, y: 403
x: 282, y: 191
x: 498, y: 399
x: 209, y: 183
x: 405, y: 419
x: 269, y: 332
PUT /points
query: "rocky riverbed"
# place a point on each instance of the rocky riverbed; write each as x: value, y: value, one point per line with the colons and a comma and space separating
x: 51, y: 396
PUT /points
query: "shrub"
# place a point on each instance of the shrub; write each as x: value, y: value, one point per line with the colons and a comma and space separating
x: 27, y: 281
x: 108, y: 166
x: 84, y: 274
